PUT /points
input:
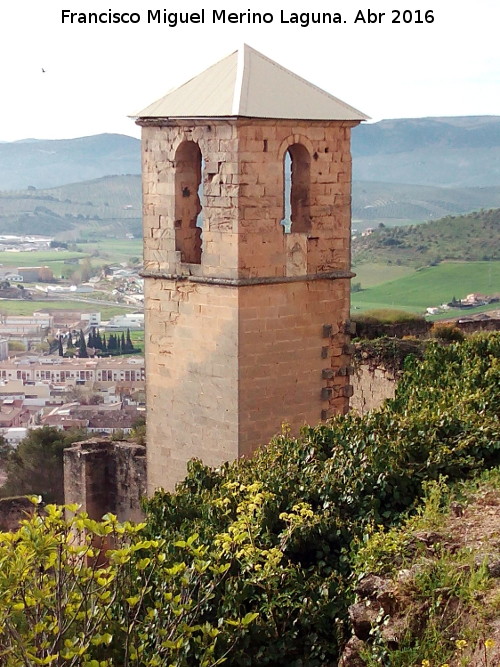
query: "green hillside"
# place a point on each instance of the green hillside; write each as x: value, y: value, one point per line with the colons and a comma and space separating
x: 113, y: 204
x: 471, y: 237
x: 369, y: 274
x: 431, y: 286
x: 404, y: 171
x: 62, y: 262
x: 113, y: 251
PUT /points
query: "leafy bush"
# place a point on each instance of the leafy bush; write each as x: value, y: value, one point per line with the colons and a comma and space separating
x: 387, y: 316
x: 353, y: 473
x: 255, y: 559
x: 67, y: 599
x: 447, y: 333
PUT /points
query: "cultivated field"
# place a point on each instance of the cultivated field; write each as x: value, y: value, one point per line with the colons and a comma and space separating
x: 113, y: 251
x: 64, y: 262
x: 431, y: 286
x: 25, y: 307
x: 370, y: 274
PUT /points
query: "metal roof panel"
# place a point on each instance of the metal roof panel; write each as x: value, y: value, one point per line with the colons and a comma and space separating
x: 247, y: 83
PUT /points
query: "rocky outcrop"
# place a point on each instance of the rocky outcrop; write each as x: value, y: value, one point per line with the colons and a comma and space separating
x: 451, y: 586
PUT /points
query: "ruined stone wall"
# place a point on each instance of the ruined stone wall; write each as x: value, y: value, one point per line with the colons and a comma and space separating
x: 473, y: 326
x: 372, y: 385
x: 422, y: 328
x: 131, y: 480
x: 255, y: 334
x: 13, y: 511
x: 104, y: 476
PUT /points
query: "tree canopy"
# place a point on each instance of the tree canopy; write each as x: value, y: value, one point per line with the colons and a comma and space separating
x: 36, y: 466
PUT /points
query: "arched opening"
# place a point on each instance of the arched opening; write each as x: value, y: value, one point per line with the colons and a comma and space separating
x: 297, y: 180
x: 188, y: 208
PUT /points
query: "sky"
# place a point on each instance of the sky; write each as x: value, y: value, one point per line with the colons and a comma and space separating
x: 97, y: 75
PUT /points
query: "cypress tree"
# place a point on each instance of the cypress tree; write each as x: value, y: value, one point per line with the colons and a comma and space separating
x: 98, y: 340
x: 82, y: 350
x: 129, y: 346
x: 60, y: 347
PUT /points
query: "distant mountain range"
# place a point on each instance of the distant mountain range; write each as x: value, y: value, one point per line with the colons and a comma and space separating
x: 53, y: 162
x: 456, y: 152
x: 406, y: 170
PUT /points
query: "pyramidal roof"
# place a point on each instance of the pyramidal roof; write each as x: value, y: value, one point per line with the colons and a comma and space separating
x: 247, y: 83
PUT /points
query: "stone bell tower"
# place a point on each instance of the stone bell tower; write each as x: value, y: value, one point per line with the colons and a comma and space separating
x: 247, y: 194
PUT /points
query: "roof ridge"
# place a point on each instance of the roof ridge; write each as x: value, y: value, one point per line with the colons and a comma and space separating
x: 240, y: 73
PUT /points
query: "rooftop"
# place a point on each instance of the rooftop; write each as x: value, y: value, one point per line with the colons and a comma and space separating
x: 247, y: 83
x: 73, y: 363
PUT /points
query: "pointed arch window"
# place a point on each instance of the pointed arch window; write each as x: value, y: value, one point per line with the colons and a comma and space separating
x: 188, y: 197
x: 296, y: 194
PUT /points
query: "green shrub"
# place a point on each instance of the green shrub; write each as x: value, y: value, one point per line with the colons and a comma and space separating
x: 387, y: 316
x: 447, y: 333
x: 353, y: 473
x: 16, y: 346
x: 36, y: 465
x: 255, y: 559
x: 67, y: 599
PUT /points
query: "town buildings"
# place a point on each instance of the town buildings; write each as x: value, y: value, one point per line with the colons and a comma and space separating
x: 99, y: 371
x: 100, y: 395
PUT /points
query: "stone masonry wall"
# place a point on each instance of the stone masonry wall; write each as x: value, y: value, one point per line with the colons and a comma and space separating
x: 257, y: 333
x: 192, y: 377
x: 243, y: 194
x: 294, y: 357
x: 104, y: 476
x: 260, y: 201
x: 372, y: 385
